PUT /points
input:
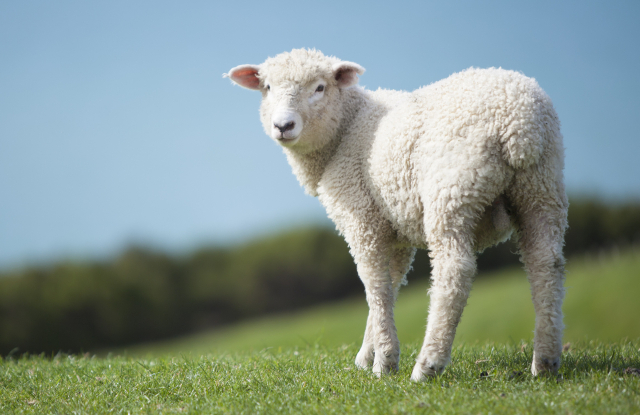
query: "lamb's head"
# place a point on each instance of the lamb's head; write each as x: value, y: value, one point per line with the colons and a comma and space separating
x: 301, y: 95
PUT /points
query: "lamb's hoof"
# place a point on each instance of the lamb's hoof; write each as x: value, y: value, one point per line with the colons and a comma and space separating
x: 364, y: 358
x: 422, y: 372
x: 545, y: 365
x: 382, y: 368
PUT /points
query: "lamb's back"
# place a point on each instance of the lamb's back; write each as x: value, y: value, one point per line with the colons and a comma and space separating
x: 458, y: 138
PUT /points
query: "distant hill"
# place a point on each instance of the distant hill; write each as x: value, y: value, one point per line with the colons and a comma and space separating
x: 145, y: 295
x: 601, y: 304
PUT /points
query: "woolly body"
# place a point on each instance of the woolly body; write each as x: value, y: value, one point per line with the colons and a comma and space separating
x: 454, y: 167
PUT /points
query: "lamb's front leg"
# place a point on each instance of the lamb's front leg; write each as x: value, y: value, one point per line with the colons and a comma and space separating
x: 399, y: 266
x: 380, y: 324
x: 365, y: 356
x: 453, y: 269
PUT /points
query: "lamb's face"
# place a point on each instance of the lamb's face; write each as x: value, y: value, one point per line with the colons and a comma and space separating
x: 293, y: 112
x: 301, y: 99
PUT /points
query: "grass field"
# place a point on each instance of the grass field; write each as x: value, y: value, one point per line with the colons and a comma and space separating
x: 303, y: 362
x: 594, y: 379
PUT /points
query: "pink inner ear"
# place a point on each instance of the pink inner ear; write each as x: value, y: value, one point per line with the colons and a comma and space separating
x: 246, y: 77
x: 346, y: 77
x: 346, y: 73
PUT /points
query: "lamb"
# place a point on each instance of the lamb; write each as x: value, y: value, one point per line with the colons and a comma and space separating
x: 453, y: 167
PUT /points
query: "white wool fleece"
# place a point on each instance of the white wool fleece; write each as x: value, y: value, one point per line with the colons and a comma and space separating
x: 454, y: 167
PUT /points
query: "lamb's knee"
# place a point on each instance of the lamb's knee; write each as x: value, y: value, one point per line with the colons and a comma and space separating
x: 454, y: 262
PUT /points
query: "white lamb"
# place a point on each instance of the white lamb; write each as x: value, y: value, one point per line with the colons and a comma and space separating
x: 455, y: 167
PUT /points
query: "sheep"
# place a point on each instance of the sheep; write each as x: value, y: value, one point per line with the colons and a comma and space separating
x: 453, y: 167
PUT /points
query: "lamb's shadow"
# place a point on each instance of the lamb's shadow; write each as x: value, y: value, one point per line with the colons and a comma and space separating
x: 586, y: 361
x: 622, y: 360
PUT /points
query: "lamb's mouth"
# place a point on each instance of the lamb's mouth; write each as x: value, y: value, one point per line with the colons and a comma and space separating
x: 287, y: 140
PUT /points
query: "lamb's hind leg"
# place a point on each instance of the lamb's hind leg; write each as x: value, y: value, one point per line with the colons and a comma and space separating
x: 399, y: 265
x: 454, y: 266
x: 542, y: 226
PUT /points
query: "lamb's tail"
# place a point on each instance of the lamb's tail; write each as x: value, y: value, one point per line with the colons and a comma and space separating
x: 533, y: 123
x: 522, y: 150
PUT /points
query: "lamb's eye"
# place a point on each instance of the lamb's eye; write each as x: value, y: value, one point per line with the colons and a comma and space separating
x: 320, y: 88
x: 268, y: 87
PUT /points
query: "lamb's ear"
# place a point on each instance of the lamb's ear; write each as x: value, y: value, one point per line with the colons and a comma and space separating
x: 346, y: 73
x: 245, y: 75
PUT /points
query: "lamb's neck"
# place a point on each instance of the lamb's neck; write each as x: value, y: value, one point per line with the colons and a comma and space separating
x: 309, y: 167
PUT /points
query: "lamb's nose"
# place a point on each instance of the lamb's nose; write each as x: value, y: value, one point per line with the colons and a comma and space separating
x: 288, y: 126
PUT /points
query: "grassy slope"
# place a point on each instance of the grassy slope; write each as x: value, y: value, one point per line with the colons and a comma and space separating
x: 602, y: 302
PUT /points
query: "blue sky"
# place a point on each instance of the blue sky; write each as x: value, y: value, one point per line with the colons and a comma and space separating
x: 117, y: 127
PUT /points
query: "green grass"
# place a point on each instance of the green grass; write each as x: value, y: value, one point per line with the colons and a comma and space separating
x: 602, y: 303
x: 303, y: 362
x: 316, y: 379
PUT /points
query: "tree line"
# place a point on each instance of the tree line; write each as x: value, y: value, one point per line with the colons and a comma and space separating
x: 145, y: 295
